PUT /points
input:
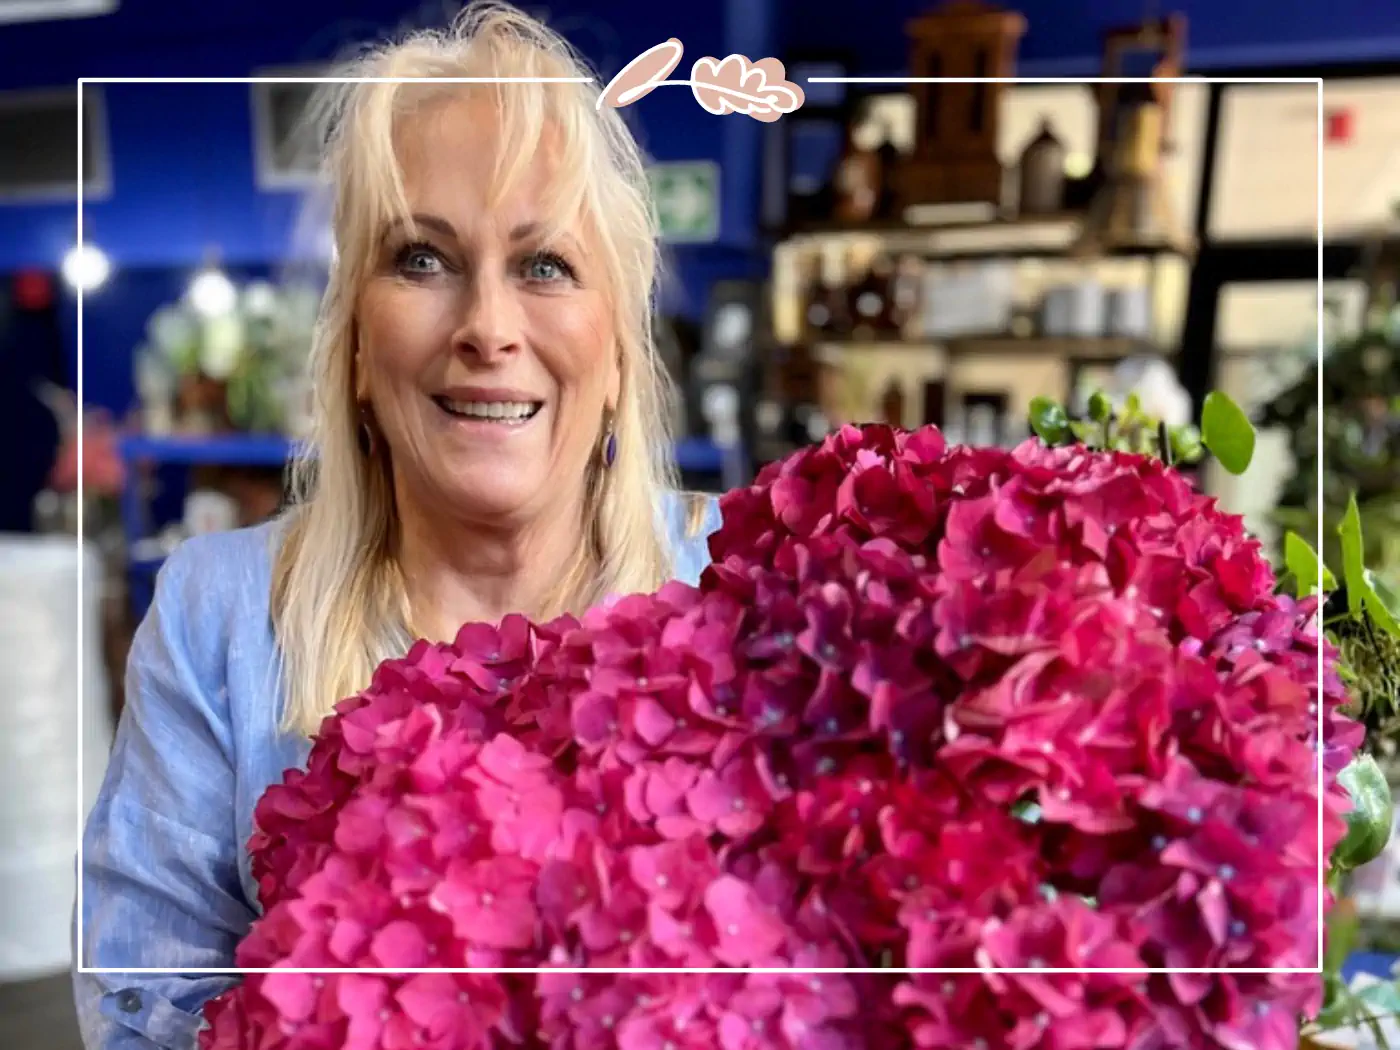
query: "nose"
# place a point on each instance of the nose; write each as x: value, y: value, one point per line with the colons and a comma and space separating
x: 491, y: 320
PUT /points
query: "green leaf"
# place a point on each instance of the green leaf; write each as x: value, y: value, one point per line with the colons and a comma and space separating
x: 1049, y: 420
x: 1186, y: 444
x: 1339, y: 1005
x: 1085, y: 432
x: 1302, y: 561
x: 1381, y: 1000
x: 1361, y: 592
x: 1347, y: 1010
x: 1377, y: 1031
x: 1383, y: 591
x: 1227, y: 432
x: 1371, y: 817
x: 1369, y: 1006
x: 1100, y: 407
x: 1353, y: 568
x: 1343, y: 930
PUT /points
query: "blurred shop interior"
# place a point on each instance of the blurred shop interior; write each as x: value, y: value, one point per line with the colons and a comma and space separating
x: 935, y: 253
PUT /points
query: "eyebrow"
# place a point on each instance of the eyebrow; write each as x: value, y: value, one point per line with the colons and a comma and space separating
x: 524, y: 231
x: 433, y: 222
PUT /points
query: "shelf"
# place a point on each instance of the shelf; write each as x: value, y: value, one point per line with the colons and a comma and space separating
x: 1044, y: 237
x: 907, y: 226
x: 1069, y: 347
x: 223, y: 450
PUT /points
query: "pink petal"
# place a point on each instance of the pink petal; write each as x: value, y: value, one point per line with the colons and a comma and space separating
x: 400, y: 945
x: 748, y: 933
x: 430, y: 1001
x: 1214, y: 911
x: 594, y: 718
x: 293, y: 994
x: 654, y: 723
x: 712, y: 798
x: 667, y: 784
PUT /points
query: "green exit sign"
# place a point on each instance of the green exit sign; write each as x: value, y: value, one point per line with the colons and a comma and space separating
x: 687, y: 200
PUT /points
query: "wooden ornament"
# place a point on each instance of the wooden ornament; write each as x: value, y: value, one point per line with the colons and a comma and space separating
x: 955, y: 156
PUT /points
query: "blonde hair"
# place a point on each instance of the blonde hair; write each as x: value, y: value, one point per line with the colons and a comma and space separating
x: 338, y: 601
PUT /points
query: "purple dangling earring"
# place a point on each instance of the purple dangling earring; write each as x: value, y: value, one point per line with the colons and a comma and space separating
x: 609, y: 444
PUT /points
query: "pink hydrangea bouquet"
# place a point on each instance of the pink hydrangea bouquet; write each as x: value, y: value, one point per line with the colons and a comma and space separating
x: 932, y: 708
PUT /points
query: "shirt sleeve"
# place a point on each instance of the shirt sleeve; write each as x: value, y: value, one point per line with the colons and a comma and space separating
x: 159, y: 872
x: 690, y: 528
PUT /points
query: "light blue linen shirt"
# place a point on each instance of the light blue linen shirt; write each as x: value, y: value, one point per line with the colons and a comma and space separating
x: 165, y: 868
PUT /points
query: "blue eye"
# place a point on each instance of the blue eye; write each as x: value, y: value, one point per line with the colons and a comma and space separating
x: 547, y: 267
x: 419, y: 260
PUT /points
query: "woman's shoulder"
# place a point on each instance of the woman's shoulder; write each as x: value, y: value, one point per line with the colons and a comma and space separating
x: 226, y: 563
x: 690, y: 518
x: 214, y: 584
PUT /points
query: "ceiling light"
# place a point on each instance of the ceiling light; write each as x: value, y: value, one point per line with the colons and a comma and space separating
x: 212, y: 294
x: 86, y: 267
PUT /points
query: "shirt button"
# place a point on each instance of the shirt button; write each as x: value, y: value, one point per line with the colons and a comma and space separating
x: 129, y: 1001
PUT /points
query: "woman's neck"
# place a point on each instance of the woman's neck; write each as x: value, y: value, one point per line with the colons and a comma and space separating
x: 458, y: 572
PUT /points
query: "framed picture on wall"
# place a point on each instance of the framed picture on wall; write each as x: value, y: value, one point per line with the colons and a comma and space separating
x: 40, y: 152
x: 1267, y: 154
x: 286, y: 154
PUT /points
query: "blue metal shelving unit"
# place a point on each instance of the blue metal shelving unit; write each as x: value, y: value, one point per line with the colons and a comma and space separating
x: 231, y: 450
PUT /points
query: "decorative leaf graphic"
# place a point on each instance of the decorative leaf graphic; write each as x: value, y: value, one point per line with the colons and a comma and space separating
x: 736, y: 85
x: 642, y: 75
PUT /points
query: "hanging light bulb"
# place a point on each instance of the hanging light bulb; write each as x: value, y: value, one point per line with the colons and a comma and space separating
x: 212, y: 294
x: 86, y: 267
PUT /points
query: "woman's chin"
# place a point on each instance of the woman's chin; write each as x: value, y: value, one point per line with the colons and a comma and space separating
x: 494, y: 498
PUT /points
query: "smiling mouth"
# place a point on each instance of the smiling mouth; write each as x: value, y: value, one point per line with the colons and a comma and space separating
x: 506, y: 413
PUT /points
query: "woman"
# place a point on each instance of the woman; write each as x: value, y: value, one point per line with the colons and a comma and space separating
x: 489, y: 438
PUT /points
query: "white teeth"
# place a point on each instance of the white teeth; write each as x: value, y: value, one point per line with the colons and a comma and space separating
x: 506, y: 411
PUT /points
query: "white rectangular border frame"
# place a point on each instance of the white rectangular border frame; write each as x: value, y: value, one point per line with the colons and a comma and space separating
x: 82, y: 968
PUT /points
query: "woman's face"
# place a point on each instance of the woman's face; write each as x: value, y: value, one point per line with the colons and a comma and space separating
x: 488, y: 356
